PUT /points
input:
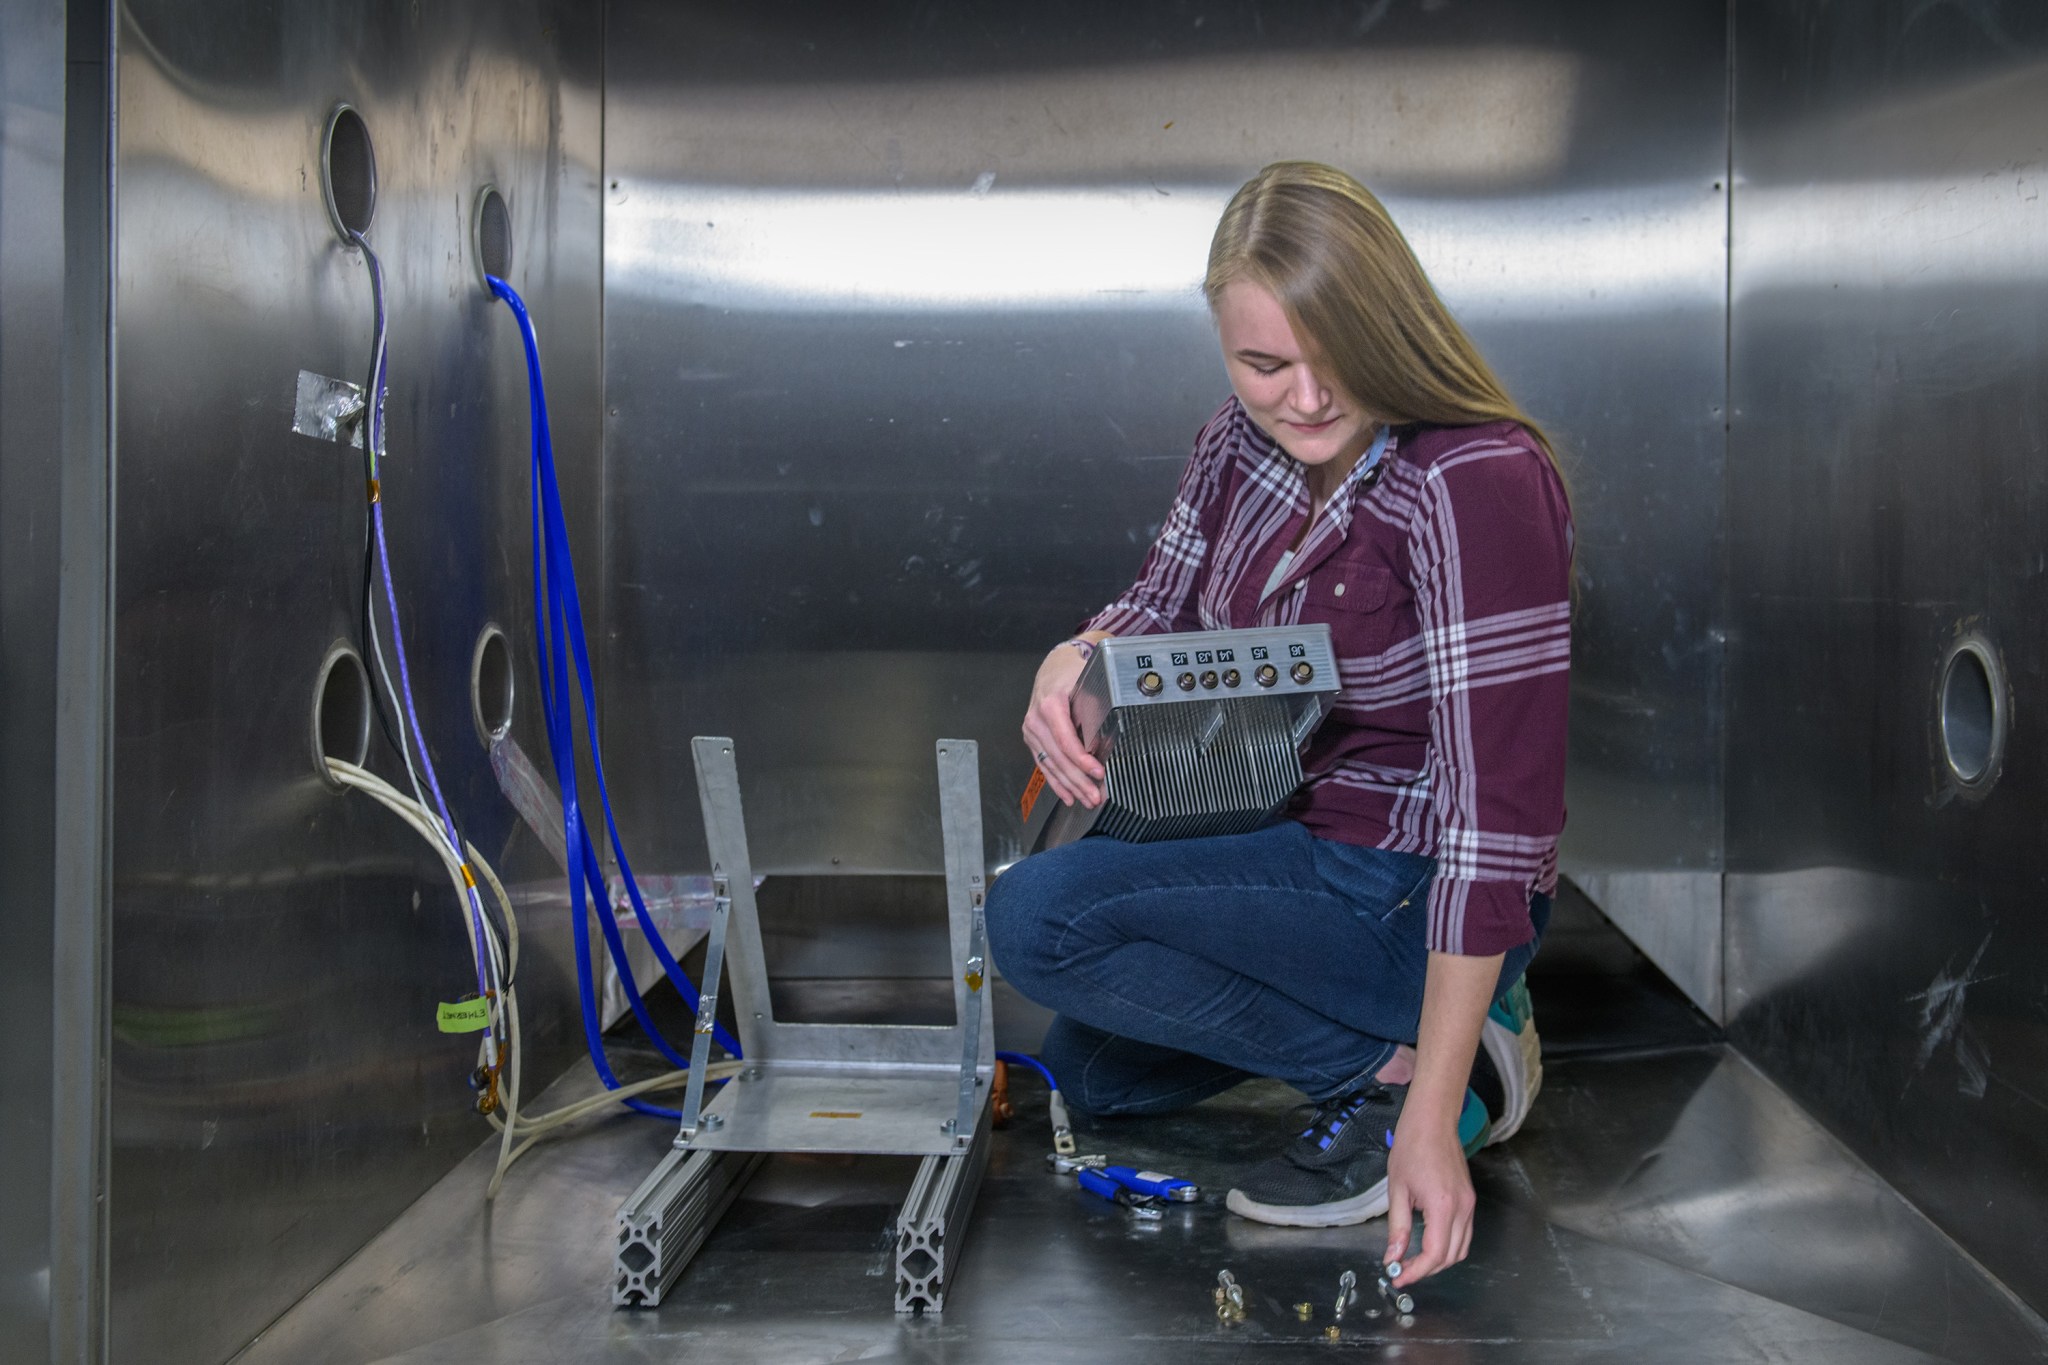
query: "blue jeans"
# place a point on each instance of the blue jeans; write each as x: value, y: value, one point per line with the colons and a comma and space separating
x: 1181, y: 968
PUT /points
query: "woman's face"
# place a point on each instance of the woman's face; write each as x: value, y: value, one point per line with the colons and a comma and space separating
x: 1278, y: 383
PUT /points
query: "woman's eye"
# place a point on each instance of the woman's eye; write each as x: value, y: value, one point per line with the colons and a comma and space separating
x: 1267, y: 369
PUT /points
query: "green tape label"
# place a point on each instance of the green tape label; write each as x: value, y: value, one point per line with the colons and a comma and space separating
x: 466, y: 1016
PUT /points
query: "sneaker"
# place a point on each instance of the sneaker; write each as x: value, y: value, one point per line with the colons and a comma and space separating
x: 1509, y: 1068
x: 1334, y: 1173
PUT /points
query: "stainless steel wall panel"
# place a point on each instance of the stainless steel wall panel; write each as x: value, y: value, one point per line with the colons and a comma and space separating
x: 905, y: 349
x: 1885, y: 938
x: 31, y: 443
x: 280, y: 1091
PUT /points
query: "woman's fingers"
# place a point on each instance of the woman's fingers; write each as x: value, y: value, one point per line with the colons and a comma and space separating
x: 1400, y: 1210
x: 1050, y: 734
x: 1446, y: 1237
x: 1428, y: 1177
x: 1436, y: 1240
x: 1069, y: 768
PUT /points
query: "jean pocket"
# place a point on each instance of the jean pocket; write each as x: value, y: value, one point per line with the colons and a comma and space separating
x: 1414, y: 903
x: 1379, y: 883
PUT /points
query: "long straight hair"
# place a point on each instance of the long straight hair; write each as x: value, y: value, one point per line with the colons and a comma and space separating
x: 1327, y: 250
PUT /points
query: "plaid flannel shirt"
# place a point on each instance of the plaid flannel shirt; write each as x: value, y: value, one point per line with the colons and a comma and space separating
x: 1445, y: 578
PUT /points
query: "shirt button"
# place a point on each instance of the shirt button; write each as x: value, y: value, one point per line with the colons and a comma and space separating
x: 1340, y: 590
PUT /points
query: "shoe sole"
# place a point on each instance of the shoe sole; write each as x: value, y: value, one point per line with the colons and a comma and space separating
x: 1518, y: 1057
x: 1360, y: 1208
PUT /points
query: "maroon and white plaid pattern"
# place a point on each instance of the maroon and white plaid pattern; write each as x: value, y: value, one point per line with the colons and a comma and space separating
x: 1446, y: 585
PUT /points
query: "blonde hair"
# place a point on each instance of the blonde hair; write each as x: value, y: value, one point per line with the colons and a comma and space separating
x: 1326, y: 249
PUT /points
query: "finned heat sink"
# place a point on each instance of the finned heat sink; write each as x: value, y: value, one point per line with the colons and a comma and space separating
x: 1200, y: 734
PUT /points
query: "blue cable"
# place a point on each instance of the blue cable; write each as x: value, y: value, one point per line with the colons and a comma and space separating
x: 559, y: 624
x: 1019, y: 1059
x: 566, y: 611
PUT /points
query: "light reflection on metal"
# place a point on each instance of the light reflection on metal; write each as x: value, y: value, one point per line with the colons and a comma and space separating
x: 1127, y: 249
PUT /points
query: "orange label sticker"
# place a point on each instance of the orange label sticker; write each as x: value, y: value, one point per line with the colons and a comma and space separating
x: 835, y: 1114
x: 1031, y: 791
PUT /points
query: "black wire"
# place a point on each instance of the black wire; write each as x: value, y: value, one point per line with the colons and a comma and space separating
x: 370, y: 397
x: 493, y: 915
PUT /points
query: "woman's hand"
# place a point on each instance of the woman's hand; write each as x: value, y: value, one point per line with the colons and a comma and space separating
x: 1426, y: 1170
x: 1050, y: 733
x: 1426, y: 1173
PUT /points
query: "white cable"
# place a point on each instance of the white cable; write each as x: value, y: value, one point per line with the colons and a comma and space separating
x: 428, y: 828
x: 421, y: 819
x: 513, y: 1126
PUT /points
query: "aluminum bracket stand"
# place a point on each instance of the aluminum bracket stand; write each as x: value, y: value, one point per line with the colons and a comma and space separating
x: 913, y: 1090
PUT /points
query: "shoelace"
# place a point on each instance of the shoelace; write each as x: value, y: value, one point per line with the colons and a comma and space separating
x: 1334, y: 1115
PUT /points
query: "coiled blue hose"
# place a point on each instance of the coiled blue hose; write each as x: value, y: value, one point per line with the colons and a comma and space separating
x: 558, y: 622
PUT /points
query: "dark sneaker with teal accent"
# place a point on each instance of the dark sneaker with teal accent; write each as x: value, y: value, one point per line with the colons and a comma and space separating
x: 1335, y: 1173
x: 1509, y: 1069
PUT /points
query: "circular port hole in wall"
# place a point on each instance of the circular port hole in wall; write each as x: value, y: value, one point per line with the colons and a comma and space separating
x: 348, y: 172
x: 493, y: 246
x: 341, y: 711
x: 490, y: 686
x: 1971, y: 719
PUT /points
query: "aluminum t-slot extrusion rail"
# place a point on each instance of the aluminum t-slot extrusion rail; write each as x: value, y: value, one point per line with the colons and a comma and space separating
x: 933, y: 1224
x: 669, y: 1216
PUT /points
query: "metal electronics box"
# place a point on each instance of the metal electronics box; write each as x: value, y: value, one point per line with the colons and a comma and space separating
x: 1200, y: 733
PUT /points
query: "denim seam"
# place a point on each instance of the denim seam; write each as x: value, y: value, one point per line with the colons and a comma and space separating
x: 1408, y: 897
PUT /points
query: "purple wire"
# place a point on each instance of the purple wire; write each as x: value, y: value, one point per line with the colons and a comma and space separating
x: 412, y: 721
x: 376, y: 406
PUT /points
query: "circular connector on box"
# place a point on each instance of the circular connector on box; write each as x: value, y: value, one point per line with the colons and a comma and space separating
x: 341, y: 711
x: 348, y: 173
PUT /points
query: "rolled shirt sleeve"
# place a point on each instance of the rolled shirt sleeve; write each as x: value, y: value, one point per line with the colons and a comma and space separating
x: 1490, y: 543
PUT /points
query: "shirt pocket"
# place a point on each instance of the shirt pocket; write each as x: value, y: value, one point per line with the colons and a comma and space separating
x: 1357, y: 602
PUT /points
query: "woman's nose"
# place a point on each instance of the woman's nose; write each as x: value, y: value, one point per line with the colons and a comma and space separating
x: 1310, y: 396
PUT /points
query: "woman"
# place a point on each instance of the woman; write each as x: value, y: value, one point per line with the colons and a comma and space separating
x: 1369, y: 472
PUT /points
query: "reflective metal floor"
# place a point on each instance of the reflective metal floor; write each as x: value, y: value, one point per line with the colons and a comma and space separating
x: 1664, y: 1203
